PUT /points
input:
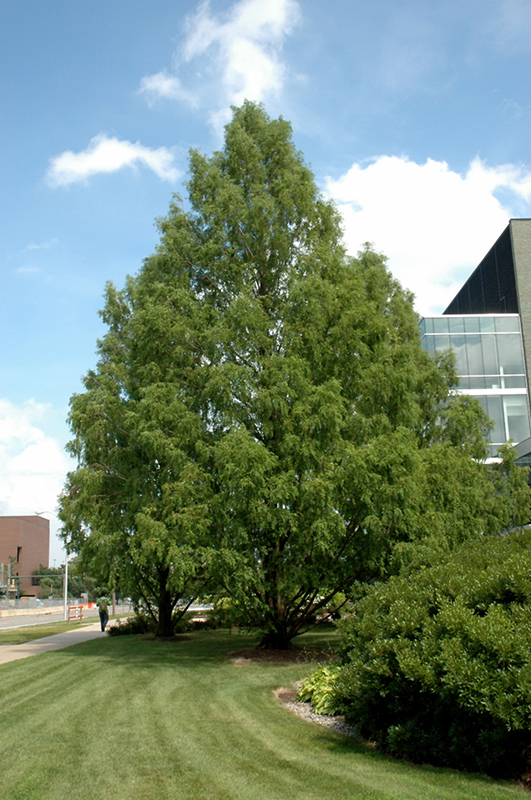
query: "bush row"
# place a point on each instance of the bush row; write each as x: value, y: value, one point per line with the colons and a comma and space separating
x: 436, y: 663
x: 142, y: 623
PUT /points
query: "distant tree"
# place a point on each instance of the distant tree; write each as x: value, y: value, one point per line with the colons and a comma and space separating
x: 262, y: 414
x: 51, y: 581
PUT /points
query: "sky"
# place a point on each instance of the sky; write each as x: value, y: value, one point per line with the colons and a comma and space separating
x: 414, y: 117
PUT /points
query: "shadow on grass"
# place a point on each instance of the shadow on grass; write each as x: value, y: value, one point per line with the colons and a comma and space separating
x: 189, y: 648
x: 206, y: 647
x: 347, y: 746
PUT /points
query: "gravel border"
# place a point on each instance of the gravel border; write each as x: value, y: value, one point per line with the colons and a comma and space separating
x: 305, y: 710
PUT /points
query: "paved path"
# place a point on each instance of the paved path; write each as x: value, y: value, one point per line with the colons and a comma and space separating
x: 13, y: 652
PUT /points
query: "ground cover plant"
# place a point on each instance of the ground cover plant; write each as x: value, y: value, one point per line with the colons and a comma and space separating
x: 127, y: 717
x: 437, y: 662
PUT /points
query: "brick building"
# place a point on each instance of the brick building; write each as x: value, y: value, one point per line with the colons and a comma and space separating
x: 25, y: 544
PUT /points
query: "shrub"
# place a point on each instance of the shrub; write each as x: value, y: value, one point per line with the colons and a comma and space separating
x: 140, y: 623
x: 437, y: 662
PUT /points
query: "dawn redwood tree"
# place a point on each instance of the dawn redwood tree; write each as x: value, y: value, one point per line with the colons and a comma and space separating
x: 262, y: 414
x: 136, y: 507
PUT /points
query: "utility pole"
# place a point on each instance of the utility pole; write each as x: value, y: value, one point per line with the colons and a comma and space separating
x: 65, y: 588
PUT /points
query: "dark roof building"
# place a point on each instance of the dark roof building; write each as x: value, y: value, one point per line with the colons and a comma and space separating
x: 488, y: 326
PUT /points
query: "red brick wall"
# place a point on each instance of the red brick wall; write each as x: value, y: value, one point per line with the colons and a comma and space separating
x: 32, y: 536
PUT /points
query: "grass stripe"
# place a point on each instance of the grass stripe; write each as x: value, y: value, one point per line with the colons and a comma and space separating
x: 129, y: 718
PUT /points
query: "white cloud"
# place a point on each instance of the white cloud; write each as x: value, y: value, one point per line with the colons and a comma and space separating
x: 43, y: 245
x: 162, y: 84
x: 511, y: 25
x: 433, y: 224
x: 33, y: 465
x: 105, y: 154
x: 28, y: 270
x: 238, y: 56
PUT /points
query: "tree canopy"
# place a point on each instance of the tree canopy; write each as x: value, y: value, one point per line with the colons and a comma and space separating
x: 263, y: 423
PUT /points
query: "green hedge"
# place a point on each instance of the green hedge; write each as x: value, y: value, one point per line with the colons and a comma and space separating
x: 437, y: 663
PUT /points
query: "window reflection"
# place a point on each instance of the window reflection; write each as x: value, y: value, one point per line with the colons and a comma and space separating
x: 510, y: 354
x: 516, y: 417
x: 490, y: 355
x: 489, y: 360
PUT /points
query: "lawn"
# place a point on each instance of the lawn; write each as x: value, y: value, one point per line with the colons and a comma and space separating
x: 131, y: 719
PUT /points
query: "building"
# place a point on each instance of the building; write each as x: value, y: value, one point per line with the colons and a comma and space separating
x: 24, y: 546
x: 488, y: 326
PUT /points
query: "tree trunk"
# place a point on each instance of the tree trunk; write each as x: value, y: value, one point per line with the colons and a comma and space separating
x: 164, y: 627
x: 276, y: 640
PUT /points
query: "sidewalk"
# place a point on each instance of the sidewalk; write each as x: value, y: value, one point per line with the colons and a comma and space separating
x: 13, y: 652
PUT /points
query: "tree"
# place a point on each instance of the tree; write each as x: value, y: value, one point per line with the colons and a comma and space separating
x: 51, y: 581
x: 135, y: 508
x: 262, y: 411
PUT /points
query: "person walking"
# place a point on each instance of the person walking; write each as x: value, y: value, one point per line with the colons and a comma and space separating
x: 103, y: 609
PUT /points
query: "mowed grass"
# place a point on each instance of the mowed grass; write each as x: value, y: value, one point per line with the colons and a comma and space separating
x: 132, y: 719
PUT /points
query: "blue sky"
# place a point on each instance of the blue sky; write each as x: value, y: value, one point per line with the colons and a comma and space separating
x: 414, y: 116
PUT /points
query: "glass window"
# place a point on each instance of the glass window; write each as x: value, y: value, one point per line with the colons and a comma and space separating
x: 428, y: 325
x: 442, y: 342
x: 493, y: 382
x: 517, y: 418
x: 429, y: 344
x: 505, y: 324
x: 475, y: 356
x: 510, y: 354
x: 459, y: 348
x: 477, y: 383
x: 495, y: 412
x: 490, y: 355
x: 472, y: 324
x: 514, y: 382
x: 440, y: 325
x: 456, y: 324
x: 486, y: 324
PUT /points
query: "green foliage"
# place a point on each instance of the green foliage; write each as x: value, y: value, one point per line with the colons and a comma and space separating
x: 320, y: 689
x: 437, y: 662
x: 132, y: 626
x: 191, y: 622
x: 51, y: 581
x: 144, y: 623
x: 228, y: 613
x: 263, y: 423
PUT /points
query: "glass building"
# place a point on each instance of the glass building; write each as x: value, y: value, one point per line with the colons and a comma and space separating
x: 488, y: 327
x: 489, y: 356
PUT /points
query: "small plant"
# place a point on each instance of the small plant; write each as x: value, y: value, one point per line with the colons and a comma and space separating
x: 320, y: 689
